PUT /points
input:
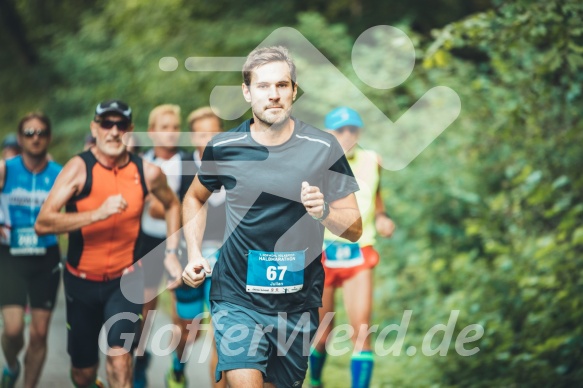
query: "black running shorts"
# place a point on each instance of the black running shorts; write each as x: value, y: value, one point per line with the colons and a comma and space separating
x: 33, y: 279
x: 90, y: 305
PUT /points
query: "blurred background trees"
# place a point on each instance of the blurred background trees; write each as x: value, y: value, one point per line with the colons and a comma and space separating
x: 489, y: 216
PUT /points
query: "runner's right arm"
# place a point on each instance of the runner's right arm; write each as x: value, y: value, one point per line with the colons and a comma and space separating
x: 194, y: 214
x: 69, y: 183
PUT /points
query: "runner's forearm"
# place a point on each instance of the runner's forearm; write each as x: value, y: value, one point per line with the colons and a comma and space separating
x: 344, y: 222
x: 172, y: 225
x: 194, y: 214
x: 57, y: 222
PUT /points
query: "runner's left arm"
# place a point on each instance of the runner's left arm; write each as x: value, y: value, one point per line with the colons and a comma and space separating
x: 158, y: 186
x: 383, y: 222
x: 344, y: 218
x: 2, y: 176
x: 156, y: 209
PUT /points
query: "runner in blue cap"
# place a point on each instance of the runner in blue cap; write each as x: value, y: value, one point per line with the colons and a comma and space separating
x: 347, y: 264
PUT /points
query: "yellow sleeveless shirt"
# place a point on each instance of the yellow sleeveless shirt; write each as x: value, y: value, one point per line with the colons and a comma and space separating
x: 364, y: 165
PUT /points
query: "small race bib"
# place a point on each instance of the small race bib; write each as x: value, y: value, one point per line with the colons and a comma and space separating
x: 343, y: 255
x: 24, y: 241
x: 275, y: 272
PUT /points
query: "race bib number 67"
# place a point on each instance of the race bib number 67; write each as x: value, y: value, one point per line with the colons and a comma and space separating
x: 275, y: 272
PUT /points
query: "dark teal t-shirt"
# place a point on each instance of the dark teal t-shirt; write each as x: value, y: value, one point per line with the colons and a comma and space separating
x: 271, y: 258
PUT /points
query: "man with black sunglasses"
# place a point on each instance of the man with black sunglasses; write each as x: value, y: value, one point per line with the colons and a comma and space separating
x: 103, y: 190
x: 30, y: 264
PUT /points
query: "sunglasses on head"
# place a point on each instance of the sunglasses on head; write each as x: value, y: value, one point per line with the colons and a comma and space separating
x: 30, y: 132
x: 122, y: 125
x: 350, y: 128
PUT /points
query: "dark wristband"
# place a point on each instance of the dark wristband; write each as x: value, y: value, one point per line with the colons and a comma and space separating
x: 325, y: 213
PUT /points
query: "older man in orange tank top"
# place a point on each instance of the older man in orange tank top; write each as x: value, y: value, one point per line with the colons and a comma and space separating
x: 103, y: 190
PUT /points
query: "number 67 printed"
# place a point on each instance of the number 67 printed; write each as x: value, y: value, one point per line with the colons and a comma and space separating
x: 272, y: 272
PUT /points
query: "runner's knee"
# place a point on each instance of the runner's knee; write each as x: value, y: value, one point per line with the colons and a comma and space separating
x: 83, y: 377
x: 119, y: 363
x: 38, y: 337
x: 13, y: 333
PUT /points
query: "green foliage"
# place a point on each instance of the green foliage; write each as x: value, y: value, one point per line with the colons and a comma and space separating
x: 490, y: 214
x: 524, y: 227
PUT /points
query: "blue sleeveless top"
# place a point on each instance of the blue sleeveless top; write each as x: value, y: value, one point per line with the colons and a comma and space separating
x: 21, y: 200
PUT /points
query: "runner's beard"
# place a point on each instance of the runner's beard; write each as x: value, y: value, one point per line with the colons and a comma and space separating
x: 278, y: 122
x: 38, y: 155
x: 112, y: 149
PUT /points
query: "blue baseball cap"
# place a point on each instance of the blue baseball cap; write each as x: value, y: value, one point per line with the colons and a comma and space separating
x: 342, y: 117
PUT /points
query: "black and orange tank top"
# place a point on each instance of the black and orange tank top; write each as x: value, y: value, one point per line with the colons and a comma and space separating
x: 108, y: 246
